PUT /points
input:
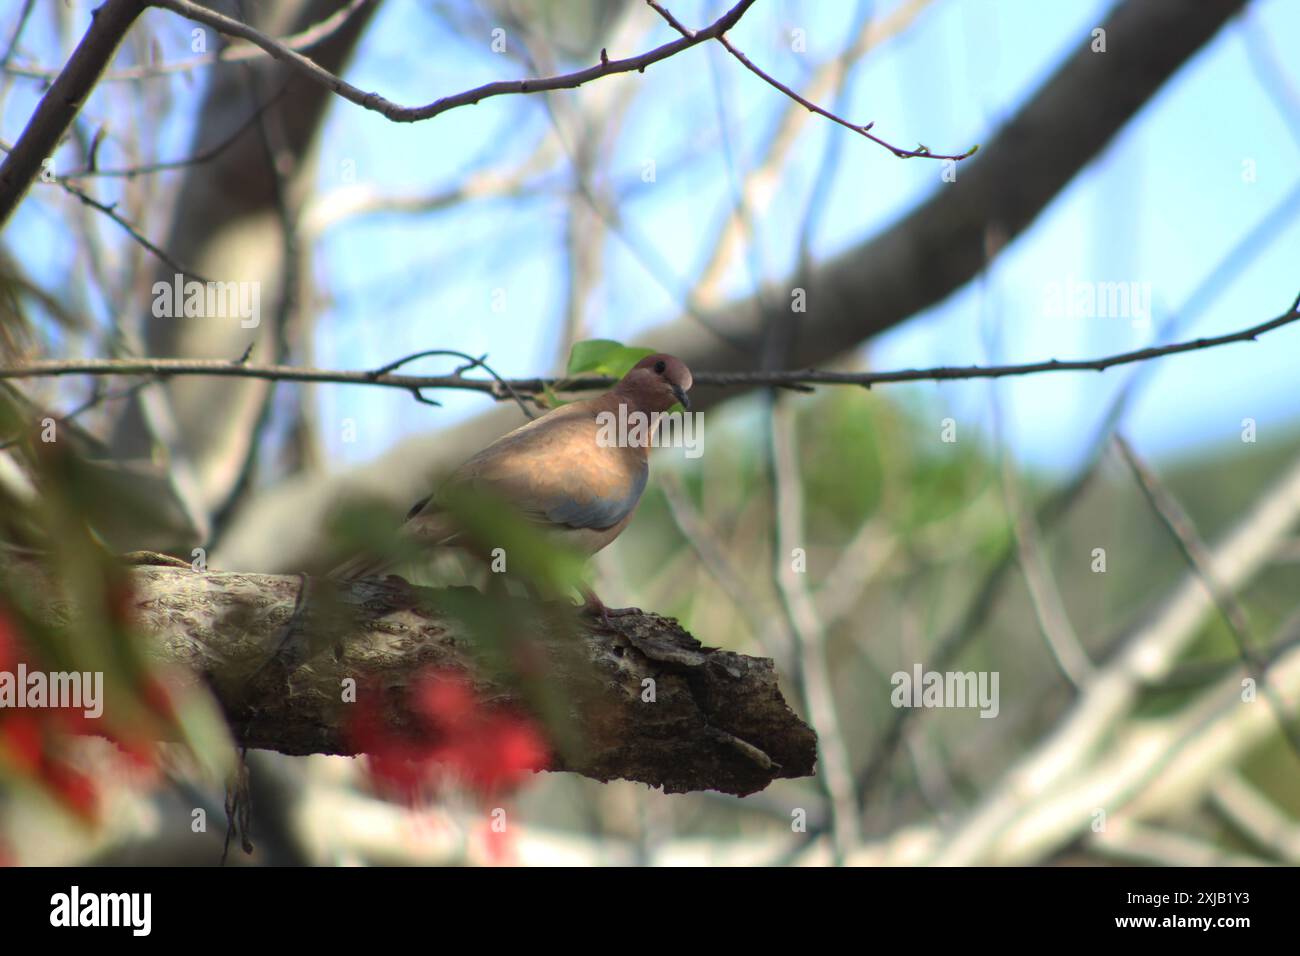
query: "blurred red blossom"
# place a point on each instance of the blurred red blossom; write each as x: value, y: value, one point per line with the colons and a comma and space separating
x: 29, y: 738
x: 455, y: 735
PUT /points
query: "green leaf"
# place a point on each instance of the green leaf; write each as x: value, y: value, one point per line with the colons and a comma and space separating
x: 604, y: 357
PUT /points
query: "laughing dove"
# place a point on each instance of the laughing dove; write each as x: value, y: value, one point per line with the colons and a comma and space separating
x: 557, y: 471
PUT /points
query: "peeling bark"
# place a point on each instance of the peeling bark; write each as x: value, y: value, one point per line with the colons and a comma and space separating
x: 276, y: 657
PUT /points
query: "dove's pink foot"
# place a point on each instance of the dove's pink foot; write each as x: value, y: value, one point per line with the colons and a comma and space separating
x: 595, y: 607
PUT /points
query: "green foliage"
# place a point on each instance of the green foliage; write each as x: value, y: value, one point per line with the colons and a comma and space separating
x: 490, y: 525
x: 842, y: 429
x: 69, y: 605
x: 502, y: 631
x: 604, y: 357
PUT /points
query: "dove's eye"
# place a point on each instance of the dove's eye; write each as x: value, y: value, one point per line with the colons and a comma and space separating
x: 659, y: 367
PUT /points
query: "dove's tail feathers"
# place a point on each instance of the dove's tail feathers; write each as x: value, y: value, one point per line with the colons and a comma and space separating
x: 431, y: 530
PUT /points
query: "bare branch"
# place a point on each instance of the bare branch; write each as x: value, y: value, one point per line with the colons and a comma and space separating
x: 110, y: 210
x: 62, y: 101
x: 204, y: 156
x: 18, y: 32
x: 860, y: 129
x: 235, y: 53
x: 502, y: 388
x: 412, y: 114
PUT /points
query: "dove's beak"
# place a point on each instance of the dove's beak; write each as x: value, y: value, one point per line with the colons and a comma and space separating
x: 682, y: 397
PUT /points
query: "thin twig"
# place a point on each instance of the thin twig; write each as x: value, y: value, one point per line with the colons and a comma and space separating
x: 471, y: 362
x: 207, y: 155
x: 62, y: 101
x: 714, y: 559
x: 829, y: 80
x: 502, y: 388
x: 859, y: 128
x: 136, y: 235
x: 411, y: 114
x: 18, y: 32
x: 235, y: 53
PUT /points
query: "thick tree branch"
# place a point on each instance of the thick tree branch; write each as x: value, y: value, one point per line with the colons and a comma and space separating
x: 718, y: 721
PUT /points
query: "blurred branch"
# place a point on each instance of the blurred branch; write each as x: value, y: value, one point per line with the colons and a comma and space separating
x: 1149, y: 770
x: 830, y: 79
x: 359, y: 200
x: 234, y: 53
x: 61, y: 103
x: 533, y: 173
x: 1153, y: 769
x: 1109, y: 697
x: 713, y: 556
x: 130, y: 172
x: 18, y: 32
x: 1255, y: 815
x: 806, y: 629
x: 1272, y: 76
x: 718, y: 720
x: 1244, y: 251
x: 502, y: 388
x: 1143, y: 843
x: 1179, y: 525
x: 110, y: 210
x: 1044, y: 595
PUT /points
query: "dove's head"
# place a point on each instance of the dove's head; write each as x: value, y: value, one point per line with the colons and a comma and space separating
x: 657, y: 383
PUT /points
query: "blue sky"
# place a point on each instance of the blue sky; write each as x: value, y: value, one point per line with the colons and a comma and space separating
x: 1161, y: 207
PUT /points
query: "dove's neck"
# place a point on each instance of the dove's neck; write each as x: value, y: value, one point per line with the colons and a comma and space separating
x: 632, y: 415
x: 637, y: 398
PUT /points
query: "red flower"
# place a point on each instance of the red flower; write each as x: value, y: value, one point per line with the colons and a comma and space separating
x: 25, y: 738
x: 22, y: 740
x: 456, y: 736
x: 495, y: 754
x: 73, y: 788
